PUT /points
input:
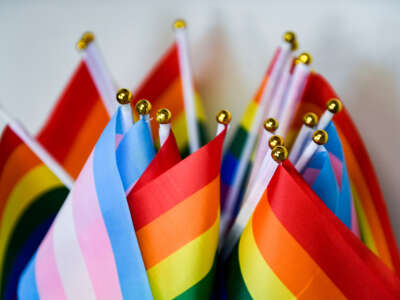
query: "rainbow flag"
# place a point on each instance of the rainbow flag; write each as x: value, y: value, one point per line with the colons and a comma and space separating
x: 91, y: 250
x: 30, y: 197
x: 76, y: 122
x: 163, y: 88
x: 373, y: 219
x: 327, y: 175
x: 277, y: 256
x: 176, y: 218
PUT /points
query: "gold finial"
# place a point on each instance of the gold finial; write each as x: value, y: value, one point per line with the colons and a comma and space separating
x: 163, y: 116
x: 85, y: 40
x: 334, y: 105
x: 143, y: 107
x: 179, y: 24
x: 271, y: 124
x: 310, y: 119
x: 274, y: 141
x: 305, y: 58
x: 279, y: 153
x: 224, y: 117
x: 124, y: 96
x: 290, y: 37
x: 320, y: 137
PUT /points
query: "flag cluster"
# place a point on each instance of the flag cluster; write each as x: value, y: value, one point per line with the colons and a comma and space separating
x: 291, y: 210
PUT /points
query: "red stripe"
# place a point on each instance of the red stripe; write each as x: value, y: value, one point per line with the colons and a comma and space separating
x: 179, y: 182
x: 342, y: 256
x: 70, y: 113
x: 9, y: 141
x: 160, y: 78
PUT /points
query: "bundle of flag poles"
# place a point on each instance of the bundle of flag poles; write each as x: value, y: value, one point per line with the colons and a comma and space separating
x: 123, y: 195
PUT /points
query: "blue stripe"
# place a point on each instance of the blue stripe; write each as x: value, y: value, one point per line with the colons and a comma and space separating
x: 27, y: 288
x: 117, y: 218
x: 229, y: 167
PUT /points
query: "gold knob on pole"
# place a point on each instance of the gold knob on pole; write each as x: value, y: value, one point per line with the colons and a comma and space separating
x: 124, y: 96
x: 164, y: 116
x: 334, y: 105
x: 305, y: 58
x: 179, y: 24
x: 224, y: 117
x: 290, y: 37
x: 274, y: 141
x: 271, y: 124
x: 310, y: 119
x: 279, y: 153
x: 85, y: 40
x: 320, y: 137
x: 143, y: 107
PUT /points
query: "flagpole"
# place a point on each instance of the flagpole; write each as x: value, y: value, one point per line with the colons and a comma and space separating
x: 187, y: 85
x: 143, y: 108
x: 98, y: 70
x: 223, y: 118
x: 332, y: 107
x: 310, y: 120
x: 124, y: 98
x: 163, y: 118
x: 320, y: 137
x: 37, y: 148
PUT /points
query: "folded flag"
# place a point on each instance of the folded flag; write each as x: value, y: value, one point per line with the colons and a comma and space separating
x: 91, y: 250
x: 80, y: 114
x: 373, y: 219
x: 176, y: 218
x: 278, y: 257
x: 30, y: 197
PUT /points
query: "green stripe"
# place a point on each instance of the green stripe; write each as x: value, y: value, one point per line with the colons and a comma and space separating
x: 204, y: 137
x: 41, y: 209
x: 235, y: 285
x: 238, y: 142
x: 202, y: 289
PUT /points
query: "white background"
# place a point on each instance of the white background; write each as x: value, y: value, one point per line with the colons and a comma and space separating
x: 356, y: 45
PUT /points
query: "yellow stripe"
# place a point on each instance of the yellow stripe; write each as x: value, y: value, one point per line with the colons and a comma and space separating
x: 40, y: 179
x: 249, y: 115
x: 179, y: 129
x: 364, y: 227
x: 261, y: 281
x: 185, y: 267
x: 200, y: 114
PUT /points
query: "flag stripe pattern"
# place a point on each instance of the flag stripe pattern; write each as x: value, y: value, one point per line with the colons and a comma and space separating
x: 91, y: 249
x: 76, y: 122
x: 180, y: 259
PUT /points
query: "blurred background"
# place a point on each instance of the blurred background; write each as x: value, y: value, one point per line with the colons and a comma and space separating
x: 354, y: 44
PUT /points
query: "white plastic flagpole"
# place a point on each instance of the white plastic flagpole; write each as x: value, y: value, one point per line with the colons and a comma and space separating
x: 319, y: 137
x: 124, y: 98
x: 310, y: 120
x: 37, y: 148
x: 143, y: 108
x: 187, y: 85
x: 224, y: 117
x: 163, y: 118
x: 98, y: 70
x: 332, y: 107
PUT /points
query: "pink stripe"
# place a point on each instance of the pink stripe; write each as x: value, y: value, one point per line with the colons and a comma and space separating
x: 310, y: 175
x: 47, y: 277
x: 118, y: 139
x: 92, y: 236
x: 337, y: 167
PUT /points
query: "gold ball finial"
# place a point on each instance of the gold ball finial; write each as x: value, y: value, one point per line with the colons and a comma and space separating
x: 143, y: 107
x: 224, y: 117
x: 334, y: 105
x: 310, y: 119
x: 179, y: 24
x: 271, y: 124
x: 320, y: 137
x: 290, y: 37
x: 85, y: 40
x: 279, y: 153
x: 305, y: 58
x: 274, y: 141
x: 124, y: 96
x: 164, y: 116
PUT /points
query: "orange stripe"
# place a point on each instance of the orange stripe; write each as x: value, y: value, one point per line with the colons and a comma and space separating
x: 86, y: 139
x: 180, y: 225
x: 289, y: 261
x: 19, y: 163
x: 257, y: 96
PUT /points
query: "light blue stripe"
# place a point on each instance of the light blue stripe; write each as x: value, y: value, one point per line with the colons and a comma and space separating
x: 27, y: 287
x: 117, y: 218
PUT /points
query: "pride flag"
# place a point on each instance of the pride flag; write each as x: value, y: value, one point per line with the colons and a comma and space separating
x: 176, y: 218
x: 374, y: 224
x: 91, y: 250
x: 277, y: 256
x: 30, y: 197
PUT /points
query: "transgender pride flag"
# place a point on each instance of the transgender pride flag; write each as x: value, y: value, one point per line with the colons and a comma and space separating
x: 91, y: 250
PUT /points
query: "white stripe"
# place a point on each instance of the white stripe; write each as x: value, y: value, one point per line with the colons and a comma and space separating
x: 163, y: 133
x: 69, y: 259
x: 188, y: 90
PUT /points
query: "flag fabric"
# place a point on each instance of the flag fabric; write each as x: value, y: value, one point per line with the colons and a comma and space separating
x: 295, y: 248
x: 373, y: 219
x: 91, y: 250
x: 327, y: 174
x: 30, y: 197
x: 76, y: 122
x: 163, y: 88
x: 176, y: 218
